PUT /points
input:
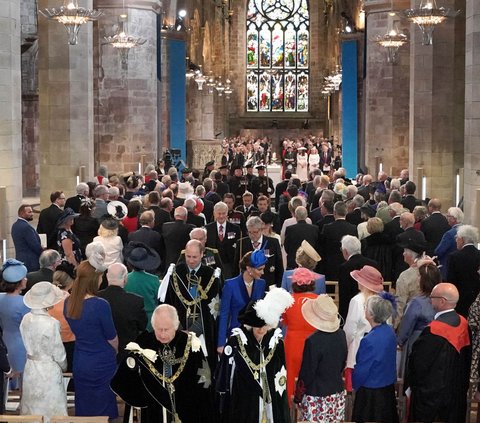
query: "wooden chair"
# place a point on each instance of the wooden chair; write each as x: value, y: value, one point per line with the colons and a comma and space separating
x: 21, y: 419
x: 332, y: 290
x: 76, y: 419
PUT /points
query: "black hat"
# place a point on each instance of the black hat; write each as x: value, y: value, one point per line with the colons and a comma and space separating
x: 236, y: 167
x: 260, y: 167
x: 66, y: 267
x: 110, y: 223
x: 141, y: 256
x: 249, y: 165
x: 411, y: 244
x: 186, y: 170
x: 248, y: 316
x: 65, y: 215
x: 210, y: 163
x: 225, y: 166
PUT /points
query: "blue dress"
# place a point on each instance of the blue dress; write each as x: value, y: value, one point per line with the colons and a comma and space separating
x: 235, y: 298
x: 287, y: 282
x: 94, y: 360
x: 12, y: 310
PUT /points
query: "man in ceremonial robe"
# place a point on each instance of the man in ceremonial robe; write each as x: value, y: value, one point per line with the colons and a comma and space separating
x: 439, y: 365
x: 193, y: 289
x: 166, y: 374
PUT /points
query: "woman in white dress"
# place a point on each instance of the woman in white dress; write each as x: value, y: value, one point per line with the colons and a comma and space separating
x: 302, y: 164
x: 43, y: 389
x: 313, y: 159
x: 370, y: 282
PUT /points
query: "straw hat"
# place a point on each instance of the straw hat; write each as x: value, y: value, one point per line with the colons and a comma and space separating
x: 310, y: 251
x: 369, y: 277
x: 321, y: 313
x: 42, y: 295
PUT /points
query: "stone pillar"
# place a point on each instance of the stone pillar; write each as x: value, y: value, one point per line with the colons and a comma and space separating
x: 436, y: 106
x: 10, y: 116
x: 387, y: 94
x: 126, y: 94
x: 472, y: 113
x: 66, y: 105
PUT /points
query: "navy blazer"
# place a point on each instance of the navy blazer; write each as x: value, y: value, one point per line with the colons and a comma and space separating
x: 27, y: 244
x: 234, y: 299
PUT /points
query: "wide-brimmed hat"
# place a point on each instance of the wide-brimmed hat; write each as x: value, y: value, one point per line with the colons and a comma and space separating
x: 141, y: 256
x: 303, y: 276
x: 42, y: 295
x: 369, y: 277
x: 117, y: 209
x: 310, y: 251
x: 321, y: 313
x: 413, y: 245
x: 185, y: 190
x: 13, y: 271
x: 65, y: 215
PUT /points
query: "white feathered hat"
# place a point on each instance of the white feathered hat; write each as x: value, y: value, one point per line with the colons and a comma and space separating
x: 271, y: 308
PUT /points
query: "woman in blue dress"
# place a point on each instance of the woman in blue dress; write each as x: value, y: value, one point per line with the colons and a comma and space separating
x: 94, y: 362
x: 239, y: 291
x: 12, y: 310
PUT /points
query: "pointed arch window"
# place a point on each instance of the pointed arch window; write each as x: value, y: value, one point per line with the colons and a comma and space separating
x: 278, y: 47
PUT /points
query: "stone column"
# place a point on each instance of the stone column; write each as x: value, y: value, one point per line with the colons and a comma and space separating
x: 387, y: 94
x: 126, y: 94
x: 10, y: 117
x: 472, y: 113
x: 66, y: 105
x: 436, y: 106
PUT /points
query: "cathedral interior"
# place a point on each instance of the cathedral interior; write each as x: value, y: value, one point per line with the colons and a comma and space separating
x: 393, y: 94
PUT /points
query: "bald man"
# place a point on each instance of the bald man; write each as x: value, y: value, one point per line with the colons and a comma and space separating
x: 128, y: 311
x: 439, y: 364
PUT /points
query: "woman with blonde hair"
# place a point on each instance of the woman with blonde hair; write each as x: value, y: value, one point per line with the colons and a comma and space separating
x: 96, y: 345
x: 108, y: 237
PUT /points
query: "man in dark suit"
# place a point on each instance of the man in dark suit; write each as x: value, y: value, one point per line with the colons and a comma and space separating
x: 463, y: 266
x: 128, y: 310
x: 296, y: 233
x: 221, y: 187
x: 75, y: 202
x: 146, y: 233
x: 175, y: 235
x: 330, y: 241
x: 434, y: 226
x: 407, y: 220
x: 162, y: 209
x: 26, y: 240
x: 391, y: 230
x: 198, y: 221
x: 347, y: 286
x: 281, y: 187
x: 354, y: 215
x: 409, y: 201
x: 256, y: 241
x: 247, y: 208
x: 223, y: 236
x: 207, y: 204
x: 48, y: 218
x: 326, y: 210
x: 49, y: 260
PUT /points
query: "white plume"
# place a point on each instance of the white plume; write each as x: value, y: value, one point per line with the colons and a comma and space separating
x: 271, y: 308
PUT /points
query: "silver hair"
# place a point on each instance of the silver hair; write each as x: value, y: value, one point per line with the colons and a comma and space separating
x: 301, y: 213
x: 379, y: 308
x: 220, y: 206
x: 172, y: 312
x: 48, y: 258
x: 190, y: 204
x: 351, y: 244
x: 456, y: 213
x: 114, y: 191
x: 203, y: 230
x: 100, y: 190
x: 255, y: 222
x: 82, y: 188
x: 468, y: 233
x: 358, y: 200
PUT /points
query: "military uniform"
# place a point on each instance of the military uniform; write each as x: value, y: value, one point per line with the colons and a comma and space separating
x: 262, y: 185
x: 238, y: 186
x: 238, y: 218
x: 211, y: 258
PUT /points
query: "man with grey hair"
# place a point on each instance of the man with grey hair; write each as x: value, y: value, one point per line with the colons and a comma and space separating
x: 354, y: 215
x: 257, y: 241
x: 448, y: 244
x: 223, y: 236
x: 175, y: 235
x: 347, y: 286
x: 176, y: 386
x: 463, y: 267
x: 128, y: 309
x: 146, y: 232
x: 48, y: 260
x: 296, y: 233
x: 75, y: 202
x: 198, y: 221
x: 100, y: 194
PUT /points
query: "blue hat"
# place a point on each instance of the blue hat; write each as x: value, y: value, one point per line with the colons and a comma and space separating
x: 13, y: 271
x: 258, y: 258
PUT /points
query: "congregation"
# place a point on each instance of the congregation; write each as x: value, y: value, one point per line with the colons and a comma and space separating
x: 204, y: 296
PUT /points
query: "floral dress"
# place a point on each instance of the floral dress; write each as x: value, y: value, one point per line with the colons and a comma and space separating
x: 76, y: 247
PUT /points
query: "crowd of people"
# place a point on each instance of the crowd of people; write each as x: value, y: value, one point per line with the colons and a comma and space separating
x: 203, y: 297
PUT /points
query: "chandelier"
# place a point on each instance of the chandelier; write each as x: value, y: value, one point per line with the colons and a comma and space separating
x: 427, y: 16
x: 72, y: 17
x: 392, y: 40
x: 122, y: 41
x: 332, y: 82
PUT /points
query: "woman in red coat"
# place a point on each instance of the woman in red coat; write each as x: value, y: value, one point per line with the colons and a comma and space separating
x: 297, y: 328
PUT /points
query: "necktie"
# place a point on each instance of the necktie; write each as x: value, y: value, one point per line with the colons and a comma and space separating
x: 192, y: 274
x: 220, y: 233
x: 256, y: 245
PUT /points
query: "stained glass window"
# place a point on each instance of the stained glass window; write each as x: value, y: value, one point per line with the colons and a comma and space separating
x: 277, y: 55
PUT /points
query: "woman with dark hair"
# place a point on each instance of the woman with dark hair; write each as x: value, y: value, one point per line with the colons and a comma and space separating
x: 239, y: 291
x: 130, y: 222
x: 375, y: 372
x: 85, y: 226
x: 12, y: 310
x: 297, y: 328
x: 419, y: 312
x: 96, y: 345
x: 68, y: 243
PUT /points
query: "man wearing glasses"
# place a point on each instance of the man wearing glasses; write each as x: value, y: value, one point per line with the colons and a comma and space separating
x: 439, y: 365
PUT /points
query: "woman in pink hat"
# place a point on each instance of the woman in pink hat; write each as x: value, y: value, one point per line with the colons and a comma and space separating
x: 370, y: 282
x: 297, y: 328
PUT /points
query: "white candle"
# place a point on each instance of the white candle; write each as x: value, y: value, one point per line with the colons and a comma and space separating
x: 380, y: 167
x: 78, y: 180
x: 139, y: 168
x: 424, y: 187
x: 457, y: 190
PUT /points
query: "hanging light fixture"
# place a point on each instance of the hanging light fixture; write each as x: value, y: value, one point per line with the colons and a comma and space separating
x: 220, y: 87
x: 200, y: 79
x: 72, y: 17
x: 211, y: 82
x: 228, y: 88
x: 392, y: 40
x: 427, y: 16
x: 121, y: 40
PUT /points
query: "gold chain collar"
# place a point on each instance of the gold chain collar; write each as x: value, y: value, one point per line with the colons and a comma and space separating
x: 203, y: 292
x: 255, y: 367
